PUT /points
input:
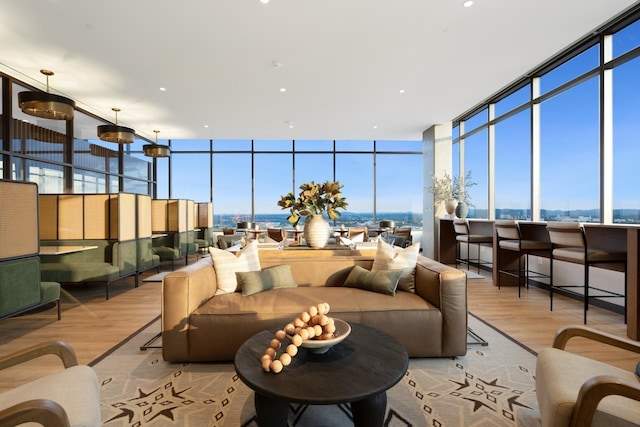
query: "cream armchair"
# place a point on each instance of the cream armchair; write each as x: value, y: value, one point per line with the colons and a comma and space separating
x: 573, y: 390
x: 70, y: 397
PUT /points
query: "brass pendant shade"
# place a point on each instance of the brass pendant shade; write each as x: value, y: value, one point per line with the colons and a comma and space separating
x: 115, y: 133
x: 46, y: 105
x: 156, y: 150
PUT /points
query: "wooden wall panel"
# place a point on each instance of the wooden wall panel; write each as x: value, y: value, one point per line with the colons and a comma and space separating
x: 96, y: 216
x: 70, y: 213
x: 48, y: 216
x: 191, y: 215
x: 159, y: 215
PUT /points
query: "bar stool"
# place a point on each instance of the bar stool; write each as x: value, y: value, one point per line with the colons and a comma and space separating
x: 463, y: 235
x: 569, y: 243
x: 510, y: 239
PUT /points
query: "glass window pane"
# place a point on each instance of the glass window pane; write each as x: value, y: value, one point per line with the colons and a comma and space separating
x: 514, y: 100
x: 162, y: 180
x: 354, y: 146
x: 50, y: 178
x: 626, y: 39
x: 571, y: 69
x: 273, y: 145
x: 313, y: 167
x: 477, y: 120
x: 90, y: 155
x: 136, y: 168
x: 455, y: 159
x: 513, y: 167
x: 626, y: 150
x: 313, y: 145
x: 186, y: 144
x: 411, y: 146
x: 570, y: 169
x: 232, y: 189
x: 476, y: 161
x: 273, y: 179
x: 85, y: 182
x: 135, y: 186
x: 399, y: 189
x: 355, y: 172
x: 190, y: 177
x: 231, y: 145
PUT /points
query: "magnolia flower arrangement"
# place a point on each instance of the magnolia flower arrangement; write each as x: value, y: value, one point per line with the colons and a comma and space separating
x: 448, y: 188
x: 314, y: 199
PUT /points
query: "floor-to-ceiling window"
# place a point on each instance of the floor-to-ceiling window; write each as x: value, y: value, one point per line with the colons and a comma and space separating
x: 553, y: 133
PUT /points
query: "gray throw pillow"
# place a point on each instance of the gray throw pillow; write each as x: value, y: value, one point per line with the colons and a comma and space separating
x: 279, y: 276
x: 383, y: 281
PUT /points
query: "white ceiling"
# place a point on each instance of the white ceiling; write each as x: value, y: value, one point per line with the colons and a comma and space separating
x: 342, y: 62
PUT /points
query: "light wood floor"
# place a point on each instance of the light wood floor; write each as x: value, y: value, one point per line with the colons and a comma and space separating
x: 93, y: 325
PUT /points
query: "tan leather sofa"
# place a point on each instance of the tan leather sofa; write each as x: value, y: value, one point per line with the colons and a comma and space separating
x: 198, y: 327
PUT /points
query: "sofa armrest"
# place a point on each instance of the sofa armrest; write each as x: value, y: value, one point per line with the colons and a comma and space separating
x: 446, y: 288
x: 183, y: 291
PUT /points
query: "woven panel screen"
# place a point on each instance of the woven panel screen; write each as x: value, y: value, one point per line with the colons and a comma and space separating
x: 205, y: 215
x: 96, y: 216
x: 191, y: 215
x: 48, y: 216
x: 159, y: 216
x: 18, y: 219
x: 143, y: 207
x: 70, y: 216
x: 126, y: 216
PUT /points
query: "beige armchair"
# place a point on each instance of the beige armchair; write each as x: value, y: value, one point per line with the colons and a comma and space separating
x: 573, y: 390
x: 70, y: 397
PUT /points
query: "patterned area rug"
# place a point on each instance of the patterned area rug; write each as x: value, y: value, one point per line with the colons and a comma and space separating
x: 491, y: 386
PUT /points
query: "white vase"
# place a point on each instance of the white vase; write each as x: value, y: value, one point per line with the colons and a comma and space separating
x: 316, y: 231
x: 450, y: 206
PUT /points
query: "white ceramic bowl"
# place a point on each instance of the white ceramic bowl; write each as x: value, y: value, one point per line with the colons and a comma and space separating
x: 322, y: 346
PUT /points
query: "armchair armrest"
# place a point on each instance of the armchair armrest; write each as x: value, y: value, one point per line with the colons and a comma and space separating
x: 564, y: 334
x: 42, y: 411
x: 58, y: 348
x: 594, y: 390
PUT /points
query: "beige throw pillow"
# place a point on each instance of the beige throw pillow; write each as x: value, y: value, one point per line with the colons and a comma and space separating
x: 227, y: 264
x: 393, y: 258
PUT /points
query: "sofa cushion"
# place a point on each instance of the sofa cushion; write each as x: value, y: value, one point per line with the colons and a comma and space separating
x: 383, y: 281
x: 227, y: 264
x: 404, y: 259
x: 276, y: 277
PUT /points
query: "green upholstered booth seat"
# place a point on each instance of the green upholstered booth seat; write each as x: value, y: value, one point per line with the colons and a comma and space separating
x: 110, y: 261
x: 80, y: 272
x: 145, y: 258
x: 21, y: 289
x: 169, y: 247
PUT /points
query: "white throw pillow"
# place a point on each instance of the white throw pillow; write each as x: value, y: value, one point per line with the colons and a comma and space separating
x: 393, y: 258
x: 226, y: 264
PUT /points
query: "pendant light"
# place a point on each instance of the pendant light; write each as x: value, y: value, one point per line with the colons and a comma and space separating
x: 115, y: 133
x: 46, y: 105
x: 156, y: 150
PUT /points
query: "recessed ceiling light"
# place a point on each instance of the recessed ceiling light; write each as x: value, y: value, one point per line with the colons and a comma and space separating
x: 264, y: 1
x: 468, y: 3
x: 375, y: 127
x: 163, y: 89
x: 401, y: 91
x: 283, y: 89
x: 206, y: 126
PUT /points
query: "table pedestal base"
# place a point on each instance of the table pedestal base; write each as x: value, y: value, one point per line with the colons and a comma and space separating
x: 367, y: 412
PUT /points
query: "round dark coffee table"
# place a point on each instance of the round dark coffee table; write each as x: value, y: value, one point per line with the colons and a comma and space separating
x: 359, y: 371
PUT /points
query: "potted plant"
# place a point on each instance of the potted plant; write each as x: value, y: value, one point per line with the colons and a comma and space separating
x: 312, y: 201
